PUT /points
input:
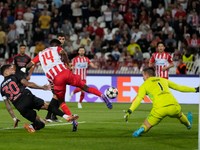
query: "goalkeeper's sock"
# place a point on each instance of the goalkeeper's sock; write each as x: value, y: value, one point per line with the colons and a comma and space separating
x: 184, y: 120
x: 65, y: 109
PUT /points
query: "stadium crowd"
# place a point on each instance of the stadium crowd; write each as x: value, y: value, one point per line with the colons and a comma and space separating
x: 119, y: 35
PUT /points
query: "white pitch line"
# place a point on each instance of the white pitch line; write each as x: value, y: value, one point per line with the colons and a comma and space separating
x: 47, y: 125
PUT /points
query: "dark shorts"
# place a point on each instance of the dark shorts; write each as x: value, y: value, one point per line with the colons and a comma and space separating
x: 28, y: 101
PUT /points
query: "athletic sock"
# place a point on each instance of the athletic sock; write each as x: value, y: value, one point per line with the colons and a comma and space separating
x: 94, y: 91
x: 65, y: 109
x: 183, y: 119
x: 82, y: 97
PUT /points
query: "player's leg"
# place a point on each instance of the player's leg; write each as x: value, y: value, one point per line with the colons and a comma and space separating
x: 154, y: 117
x: 187, y: 121
x: 81, y: 99
x: 75, y: 80
x: 175, y: 112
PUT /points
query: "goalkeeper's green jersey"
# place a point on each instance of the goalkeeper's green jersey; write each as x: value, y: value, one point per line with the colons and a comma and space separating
x: 158, y: 90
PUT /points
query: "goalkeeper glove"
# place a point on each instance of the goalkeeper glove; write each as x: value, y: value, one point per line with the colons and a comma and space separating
x: 127, y: 115
x: 197, y: 89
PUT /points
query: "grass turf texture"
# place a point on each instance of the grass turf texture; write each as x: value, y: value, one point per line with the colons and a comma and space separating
x: 101, y: 129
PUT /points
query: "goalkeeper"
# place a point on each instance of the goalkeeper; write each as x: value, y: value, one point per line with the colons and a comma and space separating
x: 164, y: 103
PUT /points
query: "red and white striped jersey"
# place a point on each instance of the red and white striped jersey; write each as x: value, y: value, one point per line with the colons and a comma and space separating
x: 161, y: 60
x: 50, y: 61
x: 80, y: 66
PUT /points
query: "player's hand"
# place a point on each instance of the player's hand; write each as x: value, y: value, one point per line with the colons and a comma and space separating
x: 16, y: 121
x: 197, y: 89
x: 47, y: 87
x: 127, y: 114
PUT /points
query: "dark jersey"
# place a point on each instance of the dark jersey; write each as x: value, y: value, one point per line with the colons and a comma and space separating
x: 12, y: 88
x: 21, y: 61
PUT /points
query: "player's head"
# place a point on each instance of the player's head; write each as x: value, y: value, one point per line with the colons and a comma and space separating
x: 160, y: 47
x: 61, y: 38
x: 81, y: 51
x: 148, y: 72
x: 22, y: 49
x: 7, y: 70
x: 55, y: 42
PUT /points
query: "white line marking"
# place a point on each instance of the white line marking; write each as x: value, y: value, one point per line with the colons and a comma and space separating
x: 47, y: 125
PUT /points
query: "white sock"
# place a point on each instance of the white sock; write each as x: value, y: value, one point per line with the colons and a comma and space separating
x: 65, y: 116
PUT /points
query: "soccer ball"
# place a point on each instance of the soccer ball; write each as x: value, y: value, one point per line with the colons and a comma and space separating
x: 111, y: 92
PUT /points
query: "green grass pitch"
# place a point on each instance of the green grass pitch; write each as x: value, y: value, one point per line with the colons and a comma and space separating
x: 100, y: 129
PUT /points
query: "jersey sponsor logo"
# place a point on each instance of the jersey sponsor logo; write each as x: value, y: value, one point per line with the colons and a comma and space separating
x: 81, y: 65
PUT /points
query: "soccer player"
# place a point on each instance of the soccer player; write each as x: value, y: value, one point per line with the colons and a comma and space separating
x: 21, y: 60
x: 13, y: 89
x: 164, y: 103
x: 52, y: 60
x: 162, y: 61
x: 80, y: 65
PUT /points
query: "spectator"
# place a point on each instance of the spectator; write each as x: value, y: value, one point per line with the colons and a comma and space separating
x: 20, y: 27
x: 3, y: 43
x: 85, y: 12
x: 76, y: 10
x: 131, y: 49
x: 181, y: 67
x: 12, y: 39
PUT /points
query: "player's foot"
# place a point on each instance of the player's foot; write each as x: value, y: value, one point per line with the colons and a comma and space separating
x: 108, y: 103
x: 29, y: 128
x: 72, y: 118
x: 55, y: 119
x: 138, y: 132
x: 48, y: 120
x: 75, y: 125
x: 189, y: 117
x: 80, y: 105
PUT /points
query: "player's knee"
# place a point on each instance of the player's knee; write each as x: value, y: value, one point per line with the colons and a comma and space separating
x: 38, y: 124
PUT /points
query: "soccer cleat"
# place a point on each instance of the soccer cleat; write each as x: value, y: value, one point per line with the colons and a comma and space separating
x: 72, y: 118
x: 189, y: 117
x: 74, y: 126
x: 55, y: 119
x: 138, y: 132
x: 79, y: 106
x: 29, y: 128
x: 108, y: 103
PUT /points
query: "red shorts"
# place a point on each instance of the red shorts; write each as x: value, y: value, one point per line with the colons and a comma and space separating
x: 66, y: 77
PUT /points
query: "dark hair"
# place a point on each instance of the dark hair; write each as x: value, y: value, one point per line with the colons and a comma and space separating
x: 22, y: 45
x: 150, y: 71
x: 161, y: 43
x: 55, y: 42
x: 61, y: 34
x: 4, y: 67
x: 81, y: 48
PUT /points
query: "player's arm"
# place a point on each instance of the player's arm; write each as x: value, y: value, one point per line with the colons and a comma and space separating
x: 182, y: 88
x: 93, y: 65
x: 34, y: 85
x: 152, y: 61
x: 11, y: 112
x: 64, y: 56
x: 136, y: 102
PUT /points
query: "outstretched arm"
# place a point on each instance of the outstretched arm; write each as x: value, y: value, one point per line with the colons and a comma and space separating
x: 11, y: 112
x: 34, y: 85
x: 181, y: 88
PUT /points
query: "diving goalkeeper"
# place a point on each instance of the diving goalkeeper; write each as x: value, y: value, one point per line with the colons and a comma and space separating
x: 164, y: 103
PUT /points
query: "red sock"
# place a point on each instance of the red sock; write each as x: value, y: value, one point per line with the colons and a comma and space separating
x: 77, y: 90
x: 65, y: 109
x: 82, y: 97
x: 94, y: 91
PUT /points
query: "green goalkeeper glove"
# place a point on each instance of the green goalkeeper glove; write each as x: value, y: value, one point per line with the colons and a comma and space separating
x: 197, y: 89
x: 127, y: 115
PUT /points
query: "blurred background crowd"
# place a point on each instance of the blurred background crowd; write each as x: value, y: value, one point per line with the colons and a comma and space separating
x: 119, y: 35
